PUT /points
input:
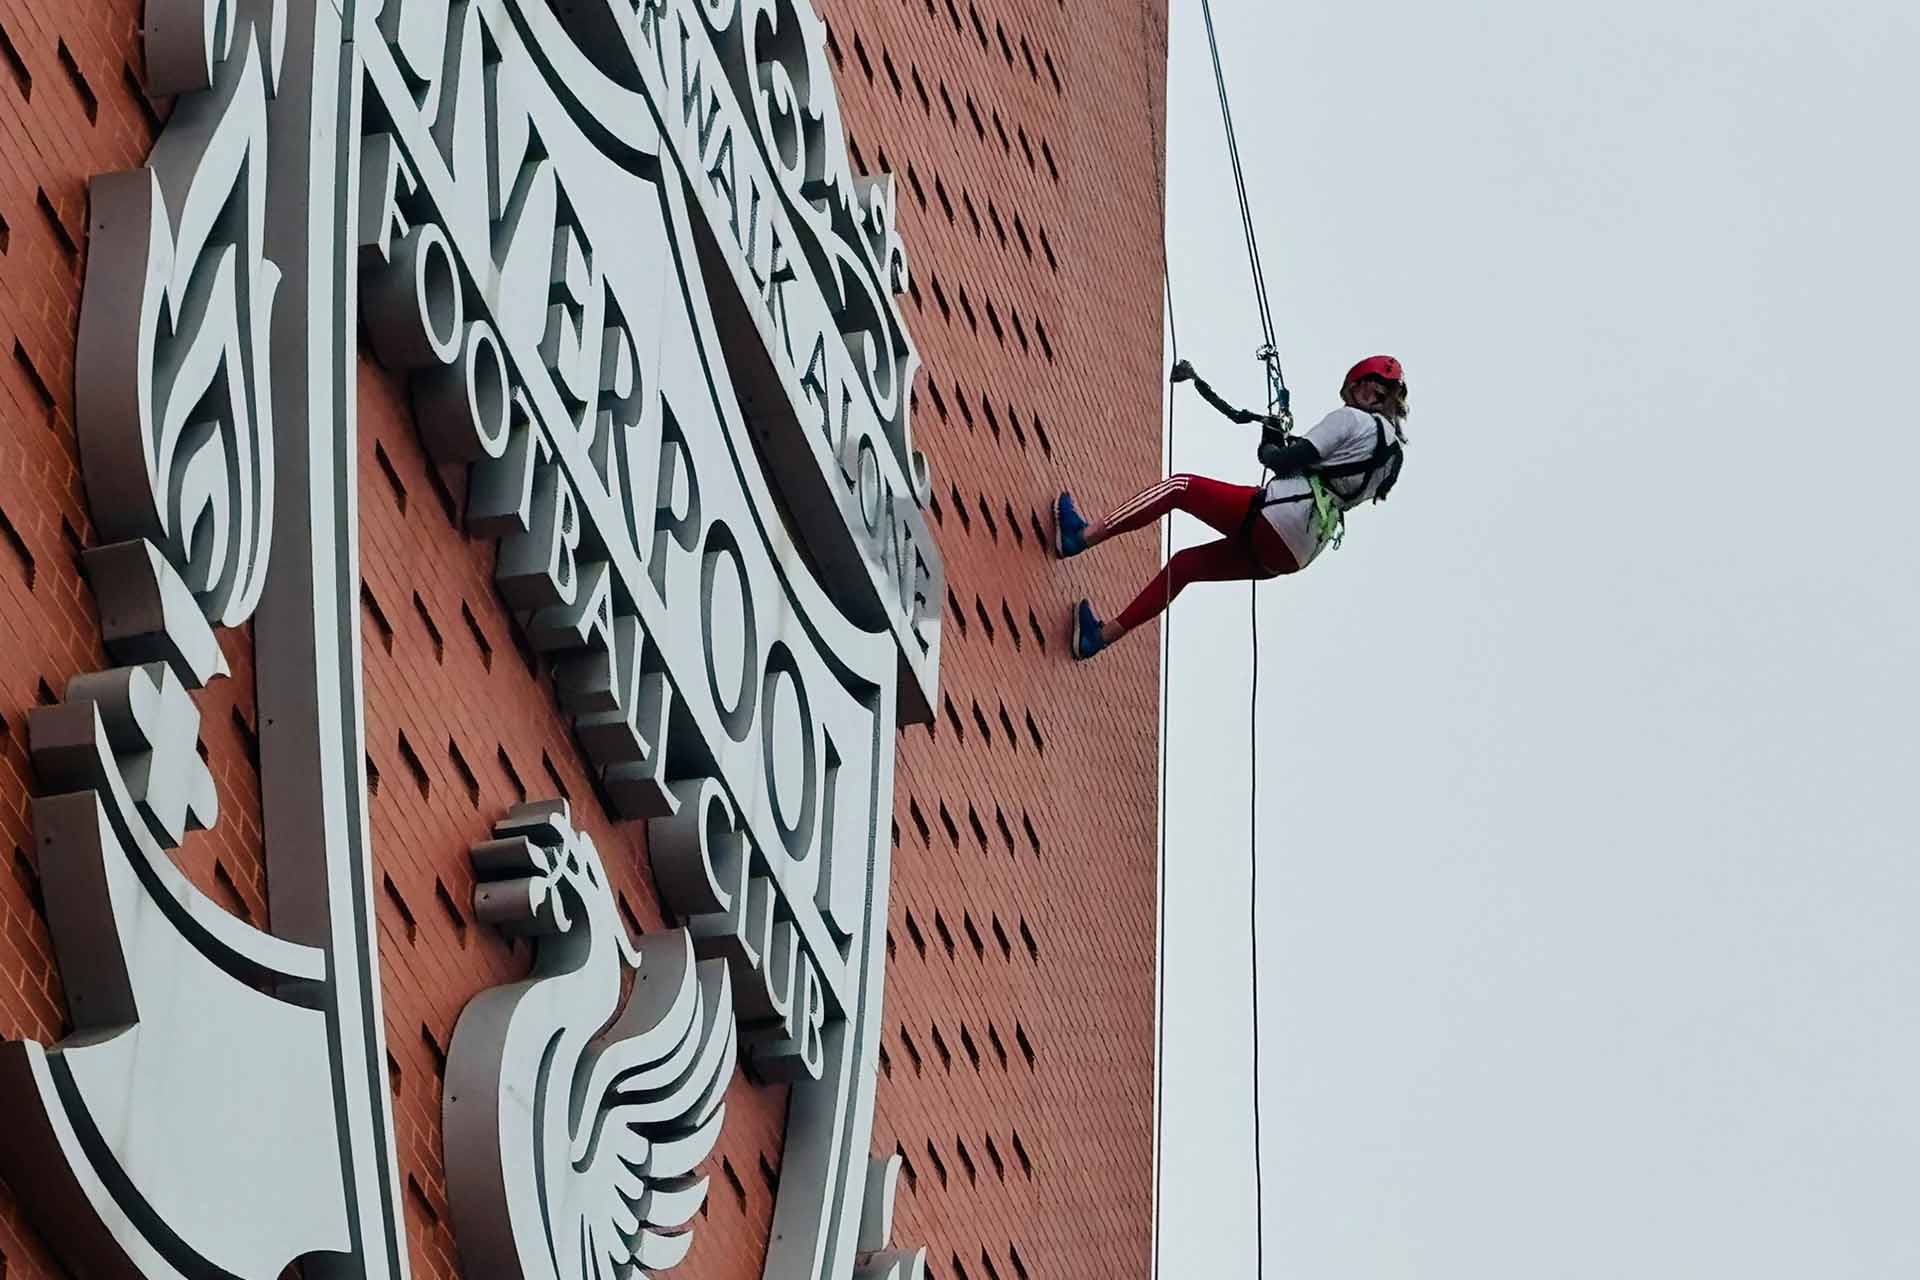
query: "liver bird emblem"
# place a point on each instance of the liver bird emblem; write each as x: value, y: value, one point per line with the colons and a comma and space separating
x: 575, y: 1124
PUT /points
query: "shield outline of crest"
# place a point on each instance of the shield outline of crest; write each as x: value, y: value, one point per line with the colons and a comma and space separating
x: 293, y: 71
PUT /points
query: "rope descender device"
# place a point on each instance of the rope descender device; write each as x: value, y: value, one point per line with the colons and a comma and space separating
x: 1277, y: 427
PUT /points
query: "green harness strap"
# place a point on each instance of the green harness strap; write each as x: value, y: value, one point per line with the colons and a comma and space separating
x: 1329, y: 517
x: 1329, y: 521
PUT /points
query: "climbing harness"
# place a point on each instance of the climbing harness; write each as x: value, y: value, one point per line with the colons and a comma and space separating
x: 1330, y: 506
x: 1329, y: 510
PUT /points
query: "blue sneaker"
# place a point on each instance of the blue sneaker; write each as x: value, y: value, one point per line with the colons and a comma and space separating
x: 1069, y: 528
x: 1086, y: 639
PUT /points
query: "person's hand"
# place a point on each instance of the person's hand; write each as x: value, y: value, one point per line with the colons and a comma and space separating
x: 1182, y: 372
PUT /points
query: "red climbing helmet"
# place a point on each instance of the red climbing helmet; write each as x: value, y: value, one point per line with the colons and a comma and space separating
x: 1385, y: 368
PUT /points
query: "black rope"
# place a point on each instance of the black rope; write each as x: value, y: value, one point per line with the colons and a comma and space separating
x: 1166, y: 727
x: 1276, y: 401
x: 1166, y: 682
x: 1270, y: 349
x: 1269, y: 355
x: 1239, y: 175
x: 1253, y: 915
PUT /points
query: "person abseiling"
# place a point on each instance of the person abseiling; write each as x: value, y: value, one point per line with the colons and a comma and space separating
x: 1351, y: 456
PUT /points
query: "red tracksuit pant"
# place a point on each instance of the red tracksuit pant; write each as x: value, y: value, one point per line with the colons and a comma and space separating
x: 1222, y: 507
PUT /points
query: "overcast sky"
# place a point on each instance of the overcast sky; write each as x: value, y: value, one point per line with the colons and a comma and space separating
x: 1590, y: 902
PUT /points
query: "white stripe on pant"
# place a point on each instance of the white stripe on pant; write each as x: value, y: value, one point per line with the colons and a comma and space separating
x: 1135, y: 505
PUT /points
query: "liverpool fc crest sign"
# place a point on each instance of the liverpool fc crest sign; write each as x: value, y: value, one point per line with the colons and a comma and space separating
x: 616, y: 252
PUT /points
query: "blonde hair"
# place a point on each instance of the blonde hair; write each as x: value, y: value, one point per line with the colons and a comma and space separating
x: 1396, y: 403
x: 1396, y: 407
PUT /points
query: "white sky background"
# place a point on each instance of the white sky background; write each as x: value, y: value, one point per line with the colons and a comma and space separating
x: 1590, y: 903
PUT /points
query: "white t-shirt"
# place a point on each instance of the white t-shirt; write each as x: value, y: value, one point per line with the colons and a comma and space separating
x: 1346, y: 435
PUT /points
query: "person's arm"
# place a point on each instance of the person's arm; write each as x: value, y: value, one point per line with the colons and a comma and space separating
x: 1293, y: 458
x: 1183, y: 372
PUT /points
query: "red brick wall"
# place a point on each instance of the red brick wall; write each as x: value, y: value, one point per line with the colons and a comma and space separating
x: 1030, y: 809
x: 1021, y: 930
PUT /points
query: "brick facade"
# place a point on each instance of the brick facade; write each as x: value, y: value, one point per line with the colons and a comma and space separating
x: 1018, y: 1048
